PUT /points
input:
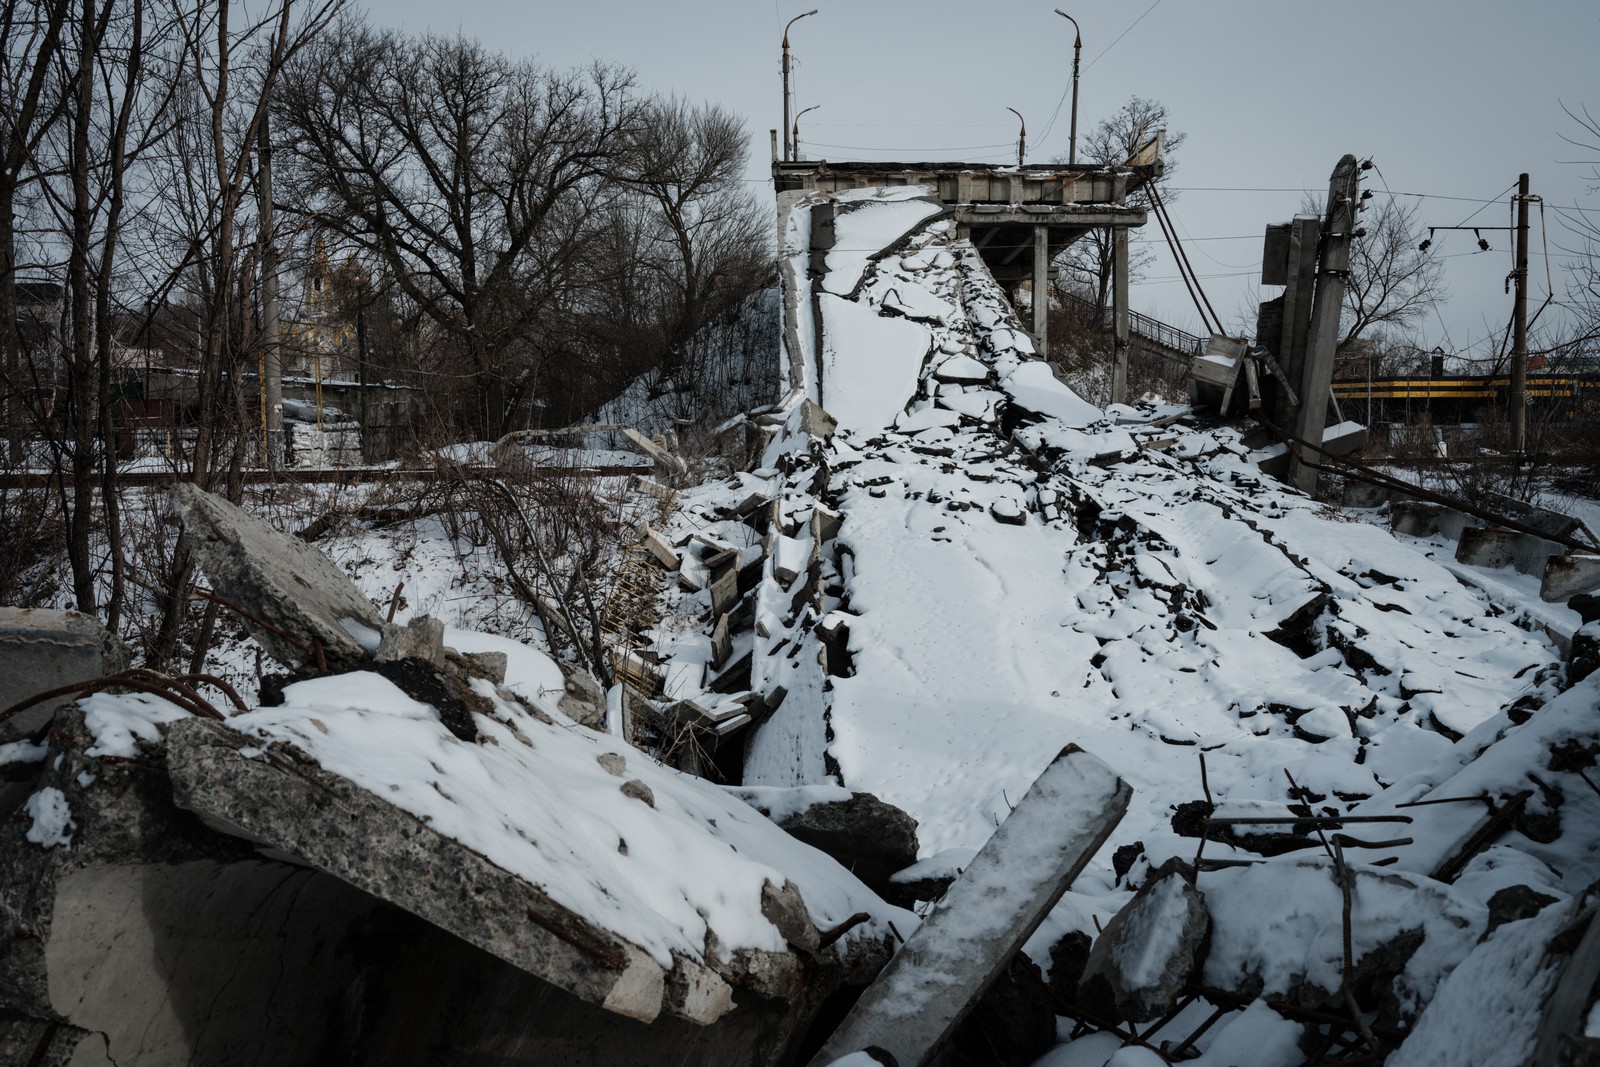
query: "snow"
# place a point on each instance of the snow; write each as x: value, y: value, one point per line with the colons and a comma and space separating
x: 1161, y: 597
x: 52, y: 818
x: 1487, y: 1010
x: 1257, y: 1036
x: 530, y: 673
x: 23, y: 752
x: 120, y: 724
x: 870, y: 364
x: 861, y: 234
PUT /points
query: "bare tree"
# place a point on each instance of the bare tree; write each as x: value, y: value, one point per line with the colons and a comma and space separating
x: 1392, y: 283
x: 476, y: 180
x: 1086, y: 266
x: 710, y: 238
x: 1582, y: 243
x: 31, y: 36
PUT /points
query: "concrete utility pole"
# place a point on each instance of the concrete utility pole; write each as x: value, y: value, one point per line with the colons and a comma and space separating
x: 788, y: 148
x: 1519, y: 338
x: 1041, y: 288
x: 1333, y: 266
x: 1077, y: 54
x: 271, y: 346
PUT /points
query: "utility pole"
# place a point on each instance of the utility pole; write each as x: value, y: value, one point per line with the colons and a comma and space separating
x: 788, y: 152
x: 1519, y: 339
x: 1316, y: 375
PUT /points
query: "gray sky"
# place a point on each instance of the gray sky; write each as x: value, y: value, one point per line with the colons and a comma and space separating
x: 1451, y: 98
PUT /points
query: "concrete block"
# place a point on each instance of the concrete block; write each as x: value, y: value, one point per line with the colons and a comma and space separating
x: 1416, y: 518
x: 667, y: 465
x: 725, y: 592
x: 1007, y: 890
x: 1493, y: 547
x: 650, y: 487
x: 44, y: 650
x: 1363, y: 495
x: 421, y: 638
x: 277, y: 577
x: 1565, y: 576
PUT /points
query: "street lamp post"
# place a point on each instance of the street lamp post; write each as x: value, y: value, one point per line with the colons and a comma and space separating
x: 1022, y: 138
x: 1077, y: 53
x: 794, y: 138
x: 788, y: 145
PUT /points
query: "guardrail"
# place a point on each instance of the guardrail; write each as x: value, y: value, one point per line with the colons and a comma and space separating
x: 1147, y: 329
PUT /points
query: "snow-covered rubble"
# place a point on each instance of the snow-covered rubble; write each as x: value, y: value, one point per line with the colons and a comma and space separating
x: 1011, y: 569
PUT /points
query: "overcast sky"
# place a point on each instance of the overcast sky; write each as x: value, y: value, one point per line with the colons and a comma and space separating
x: 1450, y: 98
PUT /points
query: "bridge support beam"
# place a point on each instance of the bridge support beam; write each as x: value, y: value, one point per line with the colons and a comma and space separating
x: 1120, y: 326
x: 1041, y: 289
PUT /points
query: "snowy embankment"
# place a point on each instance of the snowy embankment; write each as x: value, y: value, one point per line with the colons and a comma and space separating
x: 1016, y: 569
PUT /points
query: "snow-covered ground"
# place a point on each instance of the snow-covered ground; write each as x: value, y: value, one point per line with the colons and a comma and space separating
x: 1018, y: 570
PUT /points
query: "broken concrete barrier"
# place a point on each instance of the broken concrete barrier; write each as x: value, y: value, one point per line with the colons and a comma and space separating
x: 1492, y: 547
x: 961, y: 948
x: 44, y: 650
x: 1565, y: 576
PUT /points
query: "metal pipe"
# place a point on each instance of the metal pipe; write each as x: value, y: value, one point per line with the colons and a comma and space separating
x: 1077, y: 54
x: 788, y: 149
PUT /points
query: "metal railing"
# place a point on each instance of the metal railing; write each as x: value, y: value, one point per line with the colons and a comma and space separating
x: 1167, y: 338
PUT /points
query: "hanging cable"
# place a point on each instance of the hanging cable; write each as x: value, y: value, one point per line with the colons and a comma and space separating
x: 1183, y: 257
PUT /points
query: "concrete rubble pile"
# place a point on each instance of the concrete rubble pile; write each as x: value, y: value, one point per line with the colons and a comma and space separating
x: 175, y: 889
x: 1470, y: 855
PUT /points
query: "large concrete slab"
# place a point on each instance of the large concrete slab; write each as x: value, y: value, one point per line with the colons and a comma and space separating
x: 285, y: 801
x: 278, y: 578
x: 1010, y: 886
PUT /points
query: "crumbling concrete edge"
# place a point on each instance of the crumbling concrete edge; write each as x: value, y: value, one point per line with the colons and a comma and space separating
x: 284, y: 800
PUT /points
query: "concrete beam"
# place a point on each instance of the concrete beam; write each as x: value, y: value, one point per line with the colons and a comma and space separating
x: 1050, y: 214
x: 960, y: 949
x: 1041, y: 288
x: 1121, y: 327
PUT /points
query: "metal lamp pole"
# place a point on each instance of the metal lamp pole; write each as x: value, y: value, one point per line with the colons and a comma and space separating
x: 788, y: 145
x: 795, y: 133
x: 1022, y: 138
x: 1077, y: 54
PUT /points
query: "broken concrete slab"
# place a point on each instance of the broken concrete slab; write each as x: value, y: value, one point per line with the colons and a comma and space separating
x: 1565, y: 576
x: 322, y: 820
x: 1146, y: 953
x: 721, y: 642
x: 658, y: 547
x: 309, y: 601
x: 420, y: 638
x: 45, y: 650
x: 153, y: 939
x: 667, y: 464
x: 961, y: 948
